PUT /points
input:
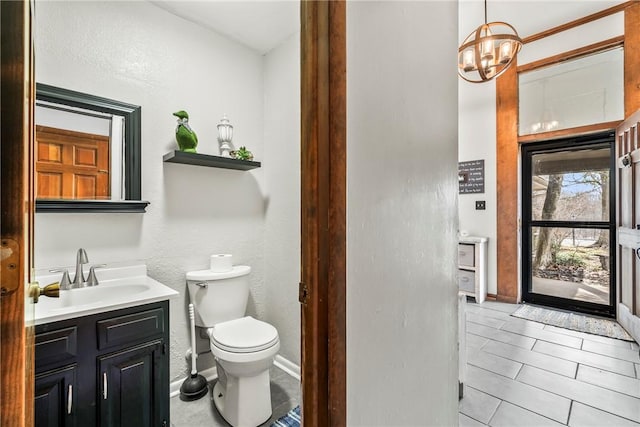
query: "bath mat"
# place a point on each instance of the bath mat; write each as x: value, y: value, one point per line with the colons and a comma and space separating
x: 573, y: 321
x: 292, y: 419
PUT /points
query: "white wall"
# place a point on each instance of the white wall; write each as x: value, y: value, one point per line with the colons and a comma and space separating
x: 477, y: 105
x: 282, y: 180
x: 402, y: 213
x: 138, y: 53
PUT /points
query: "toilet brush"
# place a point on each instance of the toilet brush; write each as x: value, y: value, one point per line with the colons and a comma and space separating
x: 195, y: 386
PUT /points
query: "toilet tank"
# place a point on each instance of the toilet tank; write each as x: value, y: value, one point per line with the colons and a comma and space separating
x: 219, y: 297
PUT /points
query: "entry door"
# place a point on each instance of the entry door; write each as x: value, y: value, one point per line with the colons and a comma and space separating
x: 568, y: 224
x: 628, y: 224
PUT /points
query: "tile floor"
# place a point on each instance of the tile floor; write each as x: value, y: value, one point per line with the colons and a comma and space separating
x: 523, y: 373
x: 285, y: 395
x: 519, y: 373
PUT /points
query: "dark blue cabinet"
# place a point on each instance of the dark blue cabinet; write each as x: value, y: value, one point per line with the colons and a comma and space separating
x: 107, y: 369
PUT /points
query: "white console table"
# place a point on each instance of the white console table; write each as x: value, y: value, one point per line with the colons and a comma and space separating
x: 472, y: 267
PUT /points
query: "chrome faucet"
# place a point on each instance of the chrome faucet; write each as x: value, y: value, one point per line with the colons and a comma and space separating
x: 92, y: 280
x: 81, y: 258
x: 65, y: 282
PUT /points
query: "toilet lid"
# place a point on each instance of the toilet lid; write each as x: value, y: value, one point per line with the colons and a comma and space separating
x: 244, y: 335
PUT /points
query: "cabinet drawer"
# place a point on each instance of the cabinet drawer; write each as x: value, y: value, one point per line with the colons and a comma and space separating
x: 56, y: 346
x: 466, y: 255
x: 130, y: 328
x: 467, y: 281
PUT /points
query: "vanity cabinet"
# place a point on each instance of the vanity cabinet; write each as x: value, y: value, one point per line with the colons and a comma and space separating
x: 105, y: 369
x: 472, y: 267
x: 54, y: 397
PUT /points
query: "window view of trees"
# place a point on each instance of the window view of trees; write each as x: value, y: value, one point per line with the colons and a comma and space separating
x: 571, y: 255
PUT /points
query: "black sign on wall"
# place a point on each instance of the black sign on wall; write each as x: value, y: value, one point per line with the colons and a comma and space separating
x: 471, y: 177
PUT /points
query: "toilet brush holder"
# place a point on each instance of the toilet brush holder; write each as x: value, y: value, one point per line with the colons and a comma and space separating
x: 195, y: 386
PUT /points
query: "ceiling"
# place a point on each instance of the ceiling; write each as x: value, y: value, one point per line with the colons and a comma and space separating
x: 263, y: 24
x: 260, y: 25
x: 519, y: 12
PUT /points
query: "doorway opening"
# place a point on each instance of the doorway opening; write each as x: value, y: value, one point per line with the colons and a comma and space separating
x: 568, y: 224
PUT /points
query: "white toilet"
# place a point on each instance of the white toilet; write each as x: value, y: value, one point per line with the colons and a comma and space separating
x: 244, y: 348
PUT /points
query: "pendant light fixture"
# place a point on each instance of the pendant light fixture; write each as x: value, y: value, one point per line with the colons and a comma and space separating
x: 488, y: 51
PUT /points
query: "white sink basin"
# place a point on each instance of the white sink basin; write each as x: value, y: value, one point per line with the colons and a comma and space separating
x: 119, y: 287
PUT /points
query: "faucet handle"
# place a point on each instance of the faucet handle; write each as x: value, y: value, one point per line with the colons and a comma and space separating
x: 92, y: 280
x: 65, y: 282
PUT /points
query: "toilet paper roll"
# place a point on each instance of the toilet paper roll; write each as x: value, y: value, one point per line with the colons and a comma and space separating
x: 221, y: 263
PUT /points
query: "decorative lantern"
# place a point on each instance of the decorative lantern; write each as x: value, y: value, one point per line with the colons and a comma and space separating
x: 488, y: 51
x: 225, y: 135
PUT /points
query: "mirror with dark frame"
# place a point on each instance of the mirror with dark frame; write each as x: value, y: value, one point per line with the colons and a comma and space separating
x: 88, y: 153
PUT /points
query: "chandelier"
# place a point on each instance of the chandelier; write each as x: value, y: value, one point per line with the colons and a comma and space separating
x: 488, y: 51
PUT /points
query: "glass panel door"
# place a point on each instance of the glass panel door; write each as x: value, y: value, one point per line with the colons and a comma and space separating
x: 567, y: 224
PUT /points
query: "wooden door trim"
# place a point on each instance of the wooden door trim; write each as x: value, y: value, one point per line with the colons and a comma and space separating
x: 598, y: 47
x: 507, y: 151
x: 577, y: 22
x: 323, y: 212
x: 16, y: 338
x: 563, y: 133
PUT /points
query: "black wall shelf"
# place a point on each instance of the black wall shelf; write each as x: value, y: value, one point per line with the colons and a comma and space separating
x: 197, y: 159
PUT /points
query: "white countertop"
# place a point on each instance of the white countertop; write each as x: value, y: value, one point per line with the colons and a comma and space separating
x: 472, y: 239
x: 119, y: 287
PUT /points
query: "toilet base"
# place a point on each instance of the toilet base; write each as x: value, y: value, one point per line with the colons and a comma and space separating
x: 256, y: 408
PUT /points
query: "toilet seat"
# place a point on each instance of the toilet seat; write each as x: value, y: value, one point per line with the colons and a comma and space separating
x: 244, y: 335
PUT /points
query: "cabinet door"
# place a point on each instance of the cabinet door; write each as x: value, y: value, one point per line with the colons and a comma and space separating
x: 54, y: 398
x: 131, y: 391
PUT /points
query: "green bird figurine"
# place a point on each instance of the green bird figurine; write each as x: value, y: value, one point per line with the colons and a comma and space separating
x: 186, y: 137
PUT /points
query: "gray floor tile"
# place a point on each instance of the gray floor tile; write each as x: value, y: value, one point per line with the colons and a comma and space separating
x: 475, y: 341
x: 637, y: 370
x: 588, y: 394
x: 585, y: 357
x: 542, y: 334
x: 634, y: 346
x: 606, y: 379
x: 520, y: 394
x: 529, y: 323
x: 502, y: 336
x: 550, y: 363
x: 500, y: 306
x: 509, y: 415
x: 478, y: 405
x: 586, y: 416
x: 590, y: 337
x: 494, y: 363
x: 464, y: 421
x: 496, y: 314
x: 285, y: 395
x: 607, y: 350
x: 480, y: 319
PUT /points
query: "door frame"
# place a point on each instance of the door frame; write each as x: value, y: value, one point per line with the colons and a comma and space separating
x: 17, y: 203
x: 572, y: 143
x: 323, y: 211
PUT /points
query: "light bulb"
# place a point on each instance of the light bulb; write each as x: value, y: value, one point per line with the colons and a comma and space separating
x: 468, y: 60
x: 505, y: 52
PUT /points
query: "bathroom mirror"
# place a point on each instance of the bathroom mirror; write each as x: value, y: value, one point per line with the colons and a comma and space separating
x: 87, y: 153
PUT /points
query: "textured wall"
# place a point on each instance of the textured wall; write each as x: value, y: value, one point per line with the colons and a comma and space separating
x: 137, y: 53
x: 402, y: 213
x: 282, y: 179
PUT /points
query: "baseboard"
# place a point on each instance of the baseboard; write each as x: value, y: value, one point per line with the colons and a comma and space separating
x: 209, y: 374
x: 288, y: 366
x: 629, y: 322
